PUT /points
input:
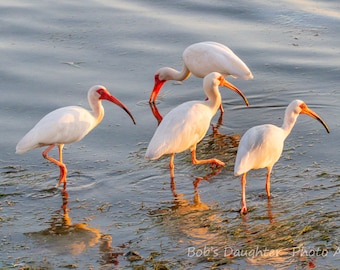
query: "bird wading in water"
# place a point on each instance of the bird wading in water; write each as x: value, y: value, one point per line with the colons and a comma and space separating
x: 261, y: 146
x: 67, y: 125
x: 200, y: 59
x: 186, y: 125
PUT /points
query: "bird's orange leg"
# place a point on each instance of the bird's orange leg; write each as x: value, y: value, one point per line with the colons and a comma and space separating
x: 244, y: 182
x: 203, y: 161
x: 63, y: 170
x: 60, y: 147
x: 172, y: 174
x: 172, y: 166
x: 268, y: 183
x: 62, y: 166
x: 221, y: 108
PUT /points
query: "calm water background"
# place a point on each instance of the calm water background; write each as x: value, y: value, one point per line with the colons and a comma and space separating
x: 53, y: 52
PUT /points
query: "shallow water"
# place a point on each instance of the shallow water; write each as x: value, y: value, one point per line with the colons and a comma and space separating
x: 116, y: 201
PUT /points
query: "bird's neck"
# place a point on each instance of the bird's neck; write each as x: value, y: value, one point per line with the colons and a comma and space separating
x: 289, y: 122
x: 173, y: 74
x: 97, y: 112
x: 214, y: 99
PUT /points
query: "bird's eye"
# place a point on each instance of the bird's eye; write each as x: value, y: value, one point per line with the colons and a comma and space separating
x: 303, y: 106
x: 100, y: 91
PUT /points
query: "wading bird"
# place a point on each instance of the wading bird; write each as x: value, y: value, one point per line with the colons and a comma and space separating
x: 67, y: 125
x: 186, y: 125
x: 200, y: 59
x: 261, y: 146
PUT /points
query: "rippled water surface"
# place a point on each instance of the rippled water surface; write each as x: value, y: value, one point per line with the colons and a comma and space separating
x: 119, y: 211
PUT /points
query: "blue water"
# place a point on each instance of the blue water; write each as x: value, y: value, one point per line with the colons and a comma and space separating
x: 53, y: 52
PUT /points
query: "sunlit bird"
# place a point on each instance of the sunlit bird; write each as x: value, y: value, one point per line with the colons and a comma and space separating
x: 261, y: 146
x: 186, y: 125
x: 67, y: 125
x: 200, y: 59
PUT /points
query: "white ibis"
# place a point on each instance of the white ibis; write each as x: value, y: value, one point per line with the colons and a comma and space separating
x: 67, y: 125
x: 261, y: 146
x: 200, y: 59
x: 186, y: 125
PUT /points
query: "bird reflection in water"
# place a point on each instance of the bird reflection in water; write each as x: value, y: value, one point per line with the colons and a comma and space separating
x: 63, y: 236
x: 156, y: 113
x: 189, y: 220
x: 222, y: 144
x: 195, y: 184
x: 108, y: 255
x: 264, y: 244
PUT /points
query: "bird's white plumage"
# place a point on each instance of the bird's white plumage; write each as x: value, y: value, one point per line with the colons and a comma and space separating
x: 67, y: 125
x: 184, y: 126
x: 61, y: 126
x: 205, y: 57
x: 181, y: 129
x: 64, y: 125
x: 200, y: 59
x: 261, y: 146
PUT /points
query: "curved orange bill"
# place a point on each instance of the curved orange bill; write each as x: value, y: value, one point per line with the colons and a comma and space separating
x: 225, y: 83
x: 116, y: 101
x: 311, y: 113
x: 158, y: 85
x: 156, y: 113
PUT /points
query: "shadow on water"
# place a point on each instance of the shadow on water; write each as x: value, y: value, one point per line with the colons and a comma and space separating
x: 63, y: 236
x: 63, y: 242
x: 187, y: 219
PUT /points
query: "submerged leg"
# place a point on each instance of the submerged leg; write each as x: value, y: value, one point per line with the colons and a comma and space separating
x: 243, y: 183
x: 63, y: 170
x: 64, y: 195
x: 62, y: 166
x: 221, y: 109
x: 203, y: 161
x: 269, y: 170
x: 172, y: 174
